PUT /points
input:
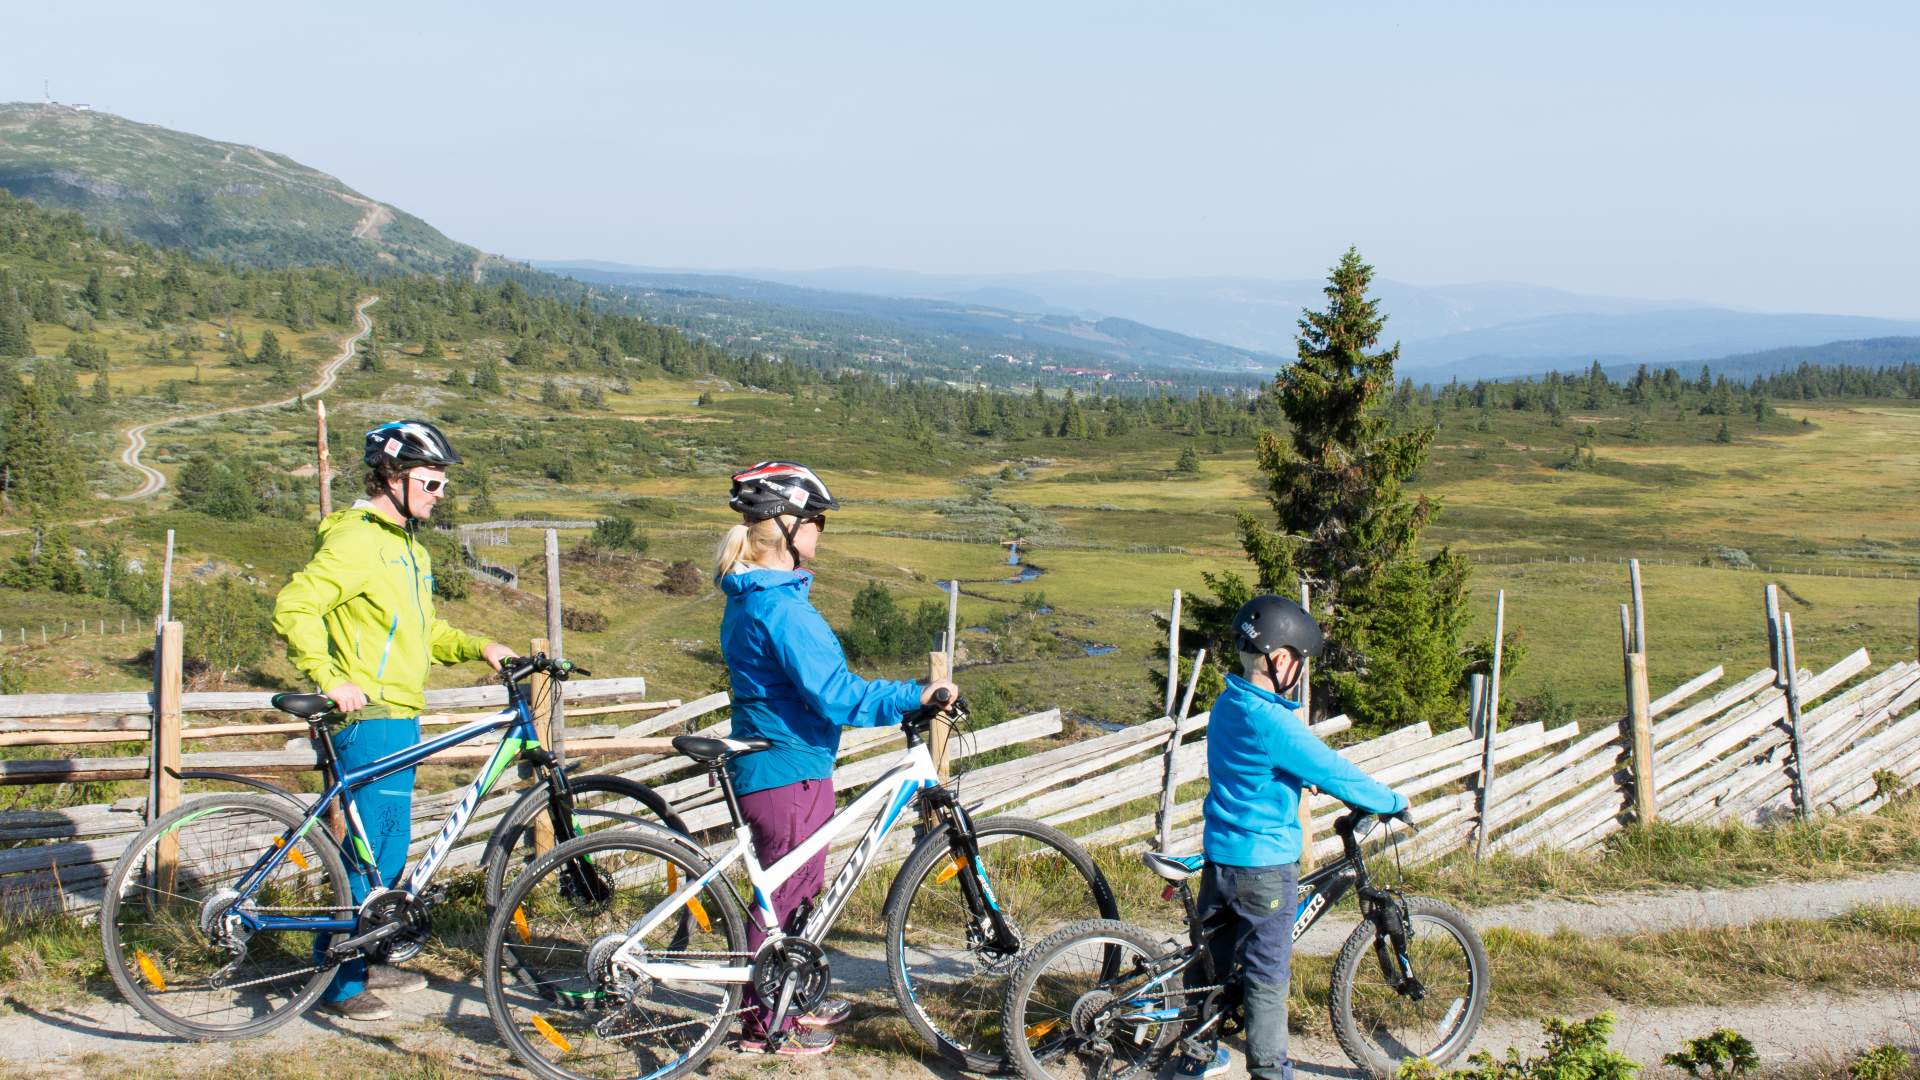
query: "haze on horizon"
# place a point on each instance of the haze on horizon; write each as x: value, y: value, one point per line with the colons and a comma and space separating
x: 1757, y: 156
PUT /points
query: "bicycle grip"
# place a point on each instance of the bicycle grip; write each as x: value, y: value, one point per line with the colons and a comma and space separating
x: 943, y: 697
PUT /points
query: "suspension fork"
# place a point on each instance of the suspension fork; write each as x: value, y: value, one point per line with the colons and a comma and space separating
x: 939, y: 805
x: 1391, y: 936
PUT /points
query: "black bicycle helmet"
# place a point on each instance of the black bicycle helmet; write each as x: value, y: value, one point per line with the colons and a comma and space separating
x: 781, y: 490
x: 1266, y: 624
x: 407, y: 443
x: 774, y: 488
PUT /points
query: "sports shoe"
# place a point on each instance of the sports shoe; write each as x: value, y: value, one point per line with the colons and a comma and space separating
x: 1190, y: 1069
x: 800, y: 1042
x: 829, y: 1012
x: 359, y: 1007
x: 394, y: 980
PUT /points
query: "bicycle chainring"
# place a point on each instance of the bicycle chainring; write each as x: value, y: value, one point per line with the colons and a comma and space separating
x: 390, y: 906
x: 800, y: 958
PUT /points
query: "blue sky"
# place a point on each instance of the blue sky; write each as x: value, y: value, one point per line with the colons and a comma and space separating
x: 1759, y: 155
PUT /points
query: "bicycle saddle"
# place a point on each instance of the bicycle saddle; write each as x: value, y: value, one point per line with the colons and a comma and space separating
x: 1173, y: 867
x: 304, y: 706
x: 703, y: 749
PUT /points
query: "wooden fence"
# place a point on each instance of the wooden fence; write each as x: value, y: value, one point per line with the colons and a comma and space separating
x: 1772, y: 745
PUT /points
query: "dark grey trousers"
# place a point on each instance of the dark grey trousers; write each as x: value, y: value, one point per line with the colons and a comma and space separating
x: 1248, y: 912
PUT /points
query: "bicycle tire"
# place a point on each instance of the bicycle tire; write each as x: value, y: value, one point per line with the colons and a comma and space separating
x: 515, y: 830
x: 544, y: 969
x: 1355, y: 1025
x: 180, y: 947
x: 1051, y: 995
x: 961, y: 1017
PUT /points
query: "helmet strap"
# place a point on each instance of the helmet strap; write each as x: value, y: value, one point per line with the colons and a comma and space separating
x: 785, y: 531
x: 404, y: 502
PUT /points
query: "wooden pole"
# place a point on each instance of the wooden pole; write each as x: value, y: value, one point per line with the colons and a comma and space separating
x: 1640, y: 722
x: 539, y: 685
x: 164, y: 792
x: 1499, y: 651
x: 953, y: 620
x: 938, y: 670
x: 1173, y: 652
x: 324, y: 465
x: 1639, y: 611
x: 555, y: 738
x: 1772, y: 595
x: 1477, y: 719
x: 1802, y: 783
x: 166, y: 583
x: 1306, y: 663
x: 1163, y: 816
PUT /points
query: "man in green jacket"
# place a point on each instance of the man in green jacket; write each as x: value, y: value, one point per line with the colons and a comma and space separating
x: 359, y: 622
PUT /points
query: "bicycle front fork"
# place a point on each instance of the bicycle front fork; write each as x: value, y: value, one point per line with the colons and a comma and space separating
x: 988, y: 926
x: 1391, y: 937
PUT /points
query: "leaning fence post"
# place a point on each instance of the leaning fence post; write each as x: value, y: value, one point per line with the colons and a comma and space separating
x: 323, y: 463
x: 1478, y: 721
x: 1163, y: 831
x: 953, y: 620
x: 1802, y: 783
x: 164, y: 766
x: 166, y: 582
x: 540, y: 697
x: 555, y: 738
x: 1173, y: 653
x: 939, y: 669
x: 1645, y: 808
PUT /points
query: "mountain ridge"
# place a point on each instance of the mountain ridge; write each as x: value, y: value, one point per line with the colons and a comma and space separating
x: 227, y: 200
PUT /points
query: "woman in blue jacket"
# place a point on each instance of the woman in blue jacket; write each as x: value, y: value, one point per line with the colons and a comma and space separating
x: 790, y: 686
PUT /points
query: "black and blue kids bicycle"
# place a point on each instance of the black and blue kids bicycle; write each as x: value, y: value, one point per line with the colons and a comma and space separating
x: 227, y: 917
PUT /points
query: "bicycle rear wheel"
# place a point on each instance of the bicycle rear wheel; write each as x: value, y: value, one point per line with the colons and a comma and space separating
x: 947, y: 979
x: 1061, y: 1000
x: 600, y: 802
x: 552, y: 991
x: 174, y: 947
x: 1378, y: 1025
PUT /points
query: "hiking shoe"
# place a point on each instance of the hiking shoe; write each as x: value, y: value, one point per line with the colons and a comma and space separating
x: 1191, y: 1069
x: 394, y: 980
x: 800, y: 1042
x: 360, y: 1007
x: 829, y: 1012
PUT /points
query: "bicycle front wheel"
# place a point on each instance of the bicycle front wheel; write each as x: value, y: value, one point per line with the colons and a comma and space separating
x: 170, y: 928
x: 553, y: 991
x: 947, y: 977
x: 1083, y: 1008
x: 1379, y: 1024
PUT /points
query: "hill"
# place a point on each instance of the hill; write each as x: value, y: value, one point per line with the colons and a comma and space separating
x: 1494, y: 329
x: 960, y: 333
x: 218, y: 199
x: 1882, y: 352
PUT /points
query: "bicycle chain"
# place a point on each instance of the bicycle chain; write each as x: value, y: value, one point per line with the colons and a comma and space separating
x: 675, y: 1026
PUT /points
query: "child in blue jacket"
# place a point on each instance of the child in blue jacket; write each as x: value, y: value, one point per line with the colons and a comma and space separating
x: 790, y: 686
x: 1259, y: 755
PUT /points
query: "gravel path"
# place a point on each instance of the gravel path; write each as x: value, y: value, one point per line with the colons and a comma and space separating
x: 450, y: 1019
x: 152, y: 479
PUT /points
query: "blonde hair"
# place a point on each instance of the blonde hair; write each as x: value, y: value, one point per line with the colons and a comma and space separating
x: 745, y: 543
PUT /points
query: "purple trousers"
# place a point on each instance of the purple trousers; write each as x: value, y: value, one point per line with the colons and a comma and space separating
x: 780, y: 820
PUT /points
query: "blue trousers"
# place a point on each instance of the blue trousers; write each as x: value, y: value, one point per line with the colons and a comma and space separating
x: 1248, y: 912
x: 386, y: 810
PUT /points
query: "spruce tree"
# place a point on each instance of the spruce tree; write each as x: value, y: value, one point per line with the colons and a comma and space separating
x: 36, y: 468
x: 102, y: 394
x: 1346, y: 526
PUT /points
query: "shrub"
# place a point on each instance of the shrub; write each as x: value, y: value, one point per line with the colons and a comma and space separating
x: 1880, y: 1063
x: 1573, y: 1051
x: 451, y: 581
x: 228, y: 624
x: 617, y: 534
x: 583, y: 620
x: 1726, y: 1052
x: 881, y: 632
x: 683, y: 579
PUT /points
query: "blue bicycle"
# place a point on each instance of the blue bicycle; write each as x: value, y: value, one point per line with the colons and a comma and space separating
x: 227, y: 917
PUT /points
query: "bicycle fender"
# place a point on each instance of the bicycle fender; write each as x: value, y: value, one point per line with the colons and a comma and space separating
x: 235, y: 778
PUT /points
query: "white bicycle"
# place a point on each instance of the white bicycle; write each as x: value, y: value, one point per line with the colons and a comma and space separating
x: 645, y: 980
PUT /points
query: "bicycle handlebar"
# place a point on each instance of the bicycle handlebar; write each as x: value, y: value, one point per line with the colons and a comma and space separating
x: 515, y: 669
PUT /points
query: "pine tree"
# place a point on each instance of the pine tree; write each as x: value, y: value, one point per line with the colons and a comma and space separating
x: 480, y: 507
x: 1189, y: 463
x: 270, y: 351
x: 1346, y: 526
x: 102, y: 394
x: 36, y: 468
x: 15, y: 337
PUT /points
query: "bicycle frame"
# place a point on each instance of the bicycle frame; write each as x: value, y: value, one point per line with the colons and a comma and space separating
x: 516, y: 724
x: 885, y: 799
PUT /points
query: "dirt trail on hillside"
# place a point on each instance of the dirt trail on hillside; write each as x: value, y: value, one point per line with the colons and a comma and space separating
x: 152, y: 479
x: 102, y: 1038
